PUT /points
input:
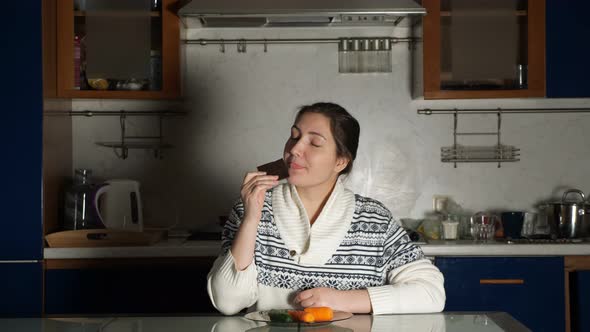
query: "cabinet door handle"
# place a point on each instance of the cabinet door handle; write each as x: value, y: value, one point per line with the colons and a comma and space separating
x: 501, y: 281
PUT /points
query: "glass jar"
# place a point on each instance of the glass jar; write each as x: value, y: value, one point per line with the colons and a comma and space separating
x: 432, y: 226
x: 450, y: 230
x: 80, y: 211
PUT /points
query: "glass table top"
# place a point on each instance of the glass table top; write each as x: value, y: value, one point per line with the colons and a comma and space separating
x: 439, y: 322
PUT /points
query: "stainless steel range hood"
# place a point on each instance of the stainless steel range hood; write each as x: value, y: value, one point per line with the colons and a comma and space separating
x: 295, y: 13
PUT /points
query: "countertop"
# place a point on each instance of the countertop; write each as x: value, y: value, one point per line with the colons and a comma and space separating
x: 440, y: 322
x: 183, y: 248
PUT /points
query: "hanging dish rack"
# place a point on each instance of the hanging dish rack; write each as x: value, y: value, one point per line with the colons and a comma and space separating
x: 127, y: 142
x: 499, y: 152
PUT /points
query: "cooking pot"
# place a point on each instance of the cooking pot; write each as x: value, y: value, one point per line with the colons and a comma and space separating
x: 568, y: 219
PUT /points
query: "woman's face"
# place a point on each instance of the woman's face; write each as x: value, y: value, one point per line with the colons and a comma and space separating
x: 310, y: 152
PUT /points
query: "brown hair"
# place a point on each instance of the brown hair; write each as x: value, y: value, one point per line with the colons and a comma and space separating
x: 345, y: 129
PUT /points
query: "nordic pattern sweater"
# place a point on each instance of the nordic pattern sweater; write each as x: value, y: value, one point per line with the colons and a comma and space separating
x: 353, y: 244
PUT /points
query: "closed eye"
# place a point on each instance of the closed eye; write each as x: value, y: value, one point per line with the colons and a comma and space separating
x: 317, y: 142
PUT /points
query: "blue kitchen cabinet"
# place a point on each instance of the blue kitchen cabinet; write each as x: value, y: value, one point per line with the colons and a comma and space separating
x: 567, y: 51
x: 580, y: 300
x: 21, y: 289
x: 21, y: 238
x: 139, y: 286
x: 529, y: 289
x: 21, y: 132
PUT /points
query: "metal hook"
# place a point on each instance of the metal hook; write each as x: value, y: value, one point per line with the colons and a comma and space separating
x: 222, y: 46
x: 241, y: 46
x: 124, y: 151
x: 455, y: 120
x: 158, y: 151
x: 265, y: 46
x: 499, y: 141
x: 123, y: 154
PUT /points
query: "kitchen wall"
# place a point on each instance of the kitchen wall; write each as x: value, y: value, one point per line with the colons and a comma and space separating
x: 241, y: 105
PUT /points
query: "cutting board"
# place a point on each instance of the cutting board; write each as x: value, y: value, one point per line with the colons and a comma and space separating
x: 102, y: 238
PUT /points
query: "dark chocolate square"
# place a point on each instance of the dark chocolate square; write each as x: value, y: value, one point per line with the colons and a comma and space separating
x: 276, y: 167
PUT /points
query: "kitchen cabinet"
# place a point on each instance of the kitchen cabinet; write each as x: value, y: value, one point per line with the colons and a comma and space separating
x: 577, y: 285
x: 581, y: 301
x: 21, y: 236
x: 22, y: 105
x: 127, y: 286
x: 493, y: 49
x: 21, y: 289
x: 529, y: 289
x: 112, y: 49
x: 567, y: 55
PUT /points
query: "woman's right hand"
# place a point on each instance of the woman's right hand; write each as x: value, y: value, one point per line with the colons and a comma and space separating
x: 253, y: 191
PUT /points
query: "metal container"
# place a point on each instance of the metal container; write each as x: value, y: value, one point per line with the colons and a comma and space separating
x: 568, y: 219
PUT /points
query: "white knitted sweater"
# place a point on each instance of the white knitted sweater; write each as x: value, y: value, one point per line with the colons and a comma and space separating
x: 353, y: 244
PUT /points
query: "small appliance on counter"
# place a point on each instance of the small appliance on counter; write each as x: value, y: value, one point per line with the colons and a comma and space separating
x: 107, y: 214
x: 120, y: 206
x: 114, y: 204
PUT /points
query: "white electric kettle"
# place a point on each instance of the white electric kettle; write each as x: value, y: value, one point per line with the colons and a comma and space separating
x: 120, y: 208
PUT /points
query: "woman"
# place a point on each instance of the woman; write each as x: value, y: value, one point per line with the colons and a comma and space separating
x: 311, y: 242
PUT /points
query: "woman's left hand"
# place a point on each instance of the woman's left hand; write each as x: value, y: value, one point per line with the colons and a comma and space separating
x: 320, y: 297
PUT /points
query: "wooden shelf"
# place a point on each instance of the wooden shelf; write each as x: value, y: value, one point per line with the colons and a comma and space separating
x: 448, y: 13
x: 476, y: 94
x: 78, y: 13
x: 122, y: 94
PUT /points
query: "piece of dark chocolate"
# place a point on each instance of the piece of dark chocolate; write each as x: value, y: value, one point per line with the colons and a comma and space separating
x: 276, y: 167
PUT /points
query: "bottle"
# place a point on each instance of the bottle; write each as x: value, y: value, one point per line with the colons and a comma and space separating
x: 155, y: 70
x: 80, y: 212
x: 355, y: 59
x: 77, y: 62
x: 343, y: 56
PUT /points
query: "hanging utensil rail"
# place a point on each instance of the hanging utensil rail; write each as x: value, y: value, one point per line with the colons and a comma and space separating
x: 126, y: 142
x: 89, y: 113
x: 262, y: 41
x: 428, y: 111
x: 241, y: 43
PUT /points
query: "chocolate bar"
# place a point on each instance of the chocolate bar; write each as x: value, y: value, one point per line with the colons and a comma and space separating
x: 276, y: 167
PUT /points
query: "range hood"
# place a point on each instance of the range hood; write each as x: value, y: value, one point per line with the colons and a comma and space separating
x: 296, y: 13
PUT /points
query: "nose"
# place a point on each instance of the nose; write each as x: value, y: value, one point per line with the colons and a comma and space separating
x: 296, y: 148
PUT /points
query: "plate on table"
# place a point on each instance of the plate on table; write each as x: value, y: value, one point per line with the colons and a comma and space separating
x: 262, y: 316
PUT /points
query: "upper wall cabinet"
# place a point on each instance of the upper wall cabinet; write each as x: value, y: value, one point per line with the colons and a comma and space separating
x: 567, y: 54
x: 484, y: 49
x: 118, y: 49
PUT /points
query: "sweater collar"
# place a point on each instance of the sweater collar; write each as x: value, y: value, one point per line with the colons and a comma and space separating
x: 314, y: 245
